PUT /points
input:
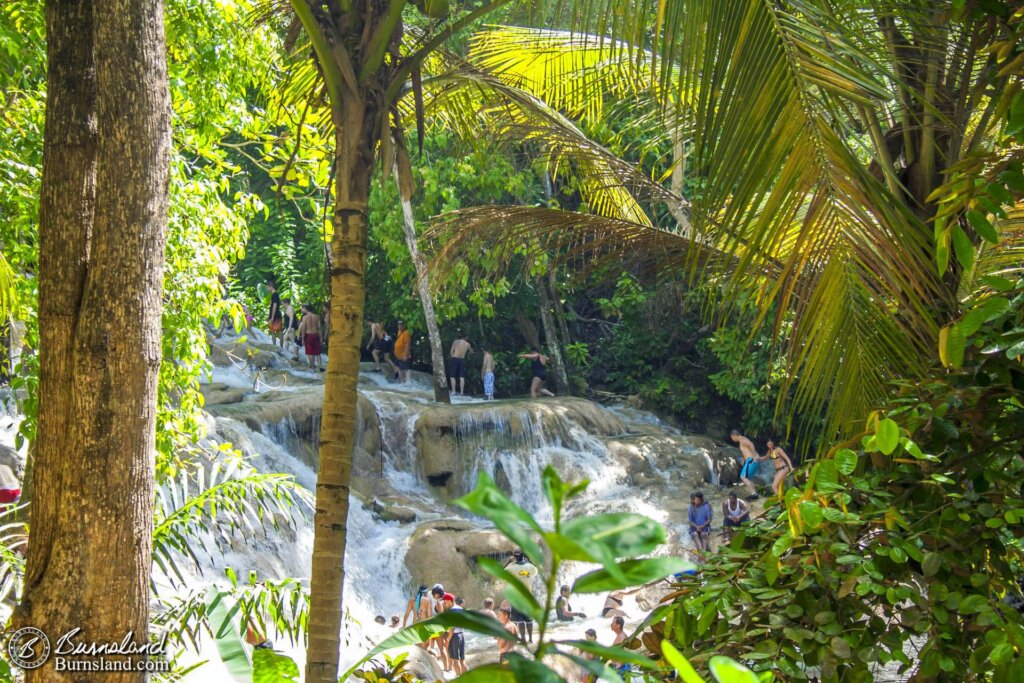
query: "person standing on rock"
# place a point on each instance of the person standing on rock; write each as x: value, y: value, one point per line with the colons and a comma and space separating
x: 403, y: 352
x: 540, y: 373
x: 460, y: 347
x: 700, y: 515
x: 418, y: 607
x: 524, y: 570
x: 505, y: 646
x: 487, y: 372
x: 274, y: 318
x: 735, y: 513
x: 750, y: 459
x: 441, y: 599
x: 291, y: 326
x: 380, y: 344
x: 309, y: 333
x: 457, y: 642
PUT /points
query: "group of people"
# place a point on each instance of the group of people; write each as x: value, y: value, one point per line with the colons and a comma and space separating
x: 383, y: 346
x: 286, y: 328
x: 783, y: 465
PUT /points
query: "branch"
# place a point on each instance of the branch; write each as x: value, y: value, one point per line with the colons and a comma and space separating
x: 333, y: 78
x: 380, y: 39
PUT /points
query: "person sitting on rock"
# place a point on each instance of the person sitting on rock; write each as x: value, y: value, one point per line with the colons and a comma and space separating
x: 563, y: 610
x: 699, y: 516
x: 735, y: 513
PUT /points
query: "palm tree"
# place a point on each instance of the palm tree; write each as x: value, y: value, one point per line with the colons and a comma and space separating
x: 822, y: 134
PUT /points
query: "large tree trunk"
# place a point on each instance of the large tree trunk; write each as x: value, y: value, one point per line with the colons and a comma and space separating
x: 550, y: 334
x: 403, y: 178
x: 355, y: 141
x: 103, y: 217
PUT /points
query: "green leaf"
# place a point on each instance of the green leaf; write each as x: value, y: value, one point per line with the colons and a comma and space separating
x: 982, y: 226
x: 489, y: 673
x: 611, y: 653
x: 530, y: 671
x: 606, y: 538
x: 887, y: 436
x: 270, y: 666
x: 997, y: 282
x: 963, y: 248
x: 518, y: 594
x: 634, y: 573
x: 782, y: 544
x: 602, y: 671
x: 681, y: 664
x: 726, y: 670
x: 811, y: 514
x: 931, y: 564
x: 972, y: 604
x: 229, y: 636
x: 841, y: 648
x: 489, y: 502
x: 846, y: 461
x: 951, y: 346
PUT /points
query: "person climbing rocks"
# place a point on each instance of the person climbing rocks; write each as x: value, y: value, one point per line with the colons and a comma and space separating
x: 540, y: 373
x: 274, y: 319
x: 524, y: 570
x: 460, y: 347
x: 563, y: 610
x: 309, y: 333
x: 613, y: 603
x: 735, y: 513
x: 750, y: 459
x: 700, y: 515
x: 487, y: 372
x: 291, y: 326
x: 783, y: 466
x: 380, y: 345
x: 403, y: 352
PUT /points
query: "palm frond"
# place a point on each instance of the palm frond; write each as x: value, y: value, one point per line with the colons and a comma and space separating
x: 8, y: 289
x: 13, y: 544
x: 204, y: 511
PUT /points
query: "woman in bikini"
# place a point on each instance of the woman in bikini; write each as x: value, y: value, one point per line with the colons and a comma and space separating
x: 783, y: 466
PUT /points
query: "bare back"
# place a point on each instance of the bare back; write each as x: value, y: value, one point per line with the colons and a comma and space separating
x: 747, y: 448
x: 310, y: 324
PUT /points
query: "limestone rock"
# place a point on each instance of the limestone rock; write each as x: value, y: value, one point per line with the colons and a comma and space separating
x: 392, y: 513
x: 445, y: 552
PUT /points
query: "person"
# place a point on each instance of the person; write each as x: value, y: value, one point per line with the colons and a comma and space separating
x: 418, y: 607
x: 524, y: 570
x: 325, y: 323
x: 255, y: 637
x: 441, y: 601
x: 291, y: 326
x: 488, y: 608
x: 750, y: 459
x: 735, y: 512
x: 394, y: 621
x: 613, y: 603
x: 460, y: 347
x: 700, y: 515
x: 309, y: 333
x: 539, y: 361
x: 563, y: 610
x: 380, y: 619
x: 487, y: 372
x: 457, y: 642
x: 248, y: 321
x: 403, y: 352
x: 274, y: 319
x: 505, y: 646
x: 380, y: 345
x: 619, y: 629
x: 10, y: 488
x: 783, y: 466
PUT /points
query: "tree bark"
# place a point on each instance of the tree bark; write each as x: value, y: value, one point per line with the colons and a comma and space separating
x: 403, y: 179
x: 355, y: 142
x: 551, y: 336
x: 103, y: 218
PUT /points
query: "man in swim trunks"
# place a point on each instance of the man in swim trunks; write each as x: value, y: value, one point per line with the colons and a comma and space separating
x: 460, y: 347
x: 309, y: 333
x: 699, y: 516
x: 524, y: 570
x: 457, y: 642
x: 540, y: 374
x: 505, y: 646
x: 749, y: 462
x: 735, y: 512
x: 783, y: 466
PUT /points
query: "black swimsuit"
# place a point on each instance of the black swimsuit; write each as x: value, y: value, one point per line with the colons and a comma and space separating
x: 538, y: 370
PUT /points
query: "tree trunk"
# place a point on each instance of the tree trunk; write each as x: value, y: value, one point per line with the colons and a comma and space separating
x: 403, y: 171
x: 103, y: 217
x: 548, y: 322
x: 355, y: 142
x: 556, y: 301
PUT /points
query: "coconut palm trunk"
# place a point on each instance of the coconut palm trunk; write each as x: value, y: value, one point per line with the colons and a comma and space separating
x: 103, y: 219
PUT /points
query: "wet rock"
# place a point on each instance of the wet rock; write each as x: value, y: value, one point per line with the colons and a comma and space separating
x: 423, y: 665
x: 445, y: 552
x: 219, y: 394
x: 392, y: 513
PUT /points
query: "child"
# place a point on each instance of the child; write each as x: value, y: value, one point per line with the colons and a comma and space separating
x: 487, y: 372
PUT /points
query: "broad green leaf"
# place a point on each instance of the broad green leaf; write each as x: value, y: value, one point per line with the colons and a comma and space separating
x: 972, y: 604
x: 681, y: 664
x: 623, y: 534
x: 489, y: 673
x: 963, y: 248
x: 726, y: 670
x: 982, y: 226
x: 951, y: 346
x: 990, y: 310
x: 611, y: 653
x: 635, y: 573
x: 602, y: 671
x: 846, y: 461
x: 887, y: 436
x: 487, y: 501
x: 518, y: 594
x: 270, y: 666
x: 782, y: 544
x: 811, y: 514
x: 229, y: 636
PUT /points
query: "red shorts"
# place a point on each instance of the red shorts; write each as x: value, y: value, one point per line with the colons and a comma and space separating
x: 312, y: 344
x: 275, y: 325
x: 9, y: 495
